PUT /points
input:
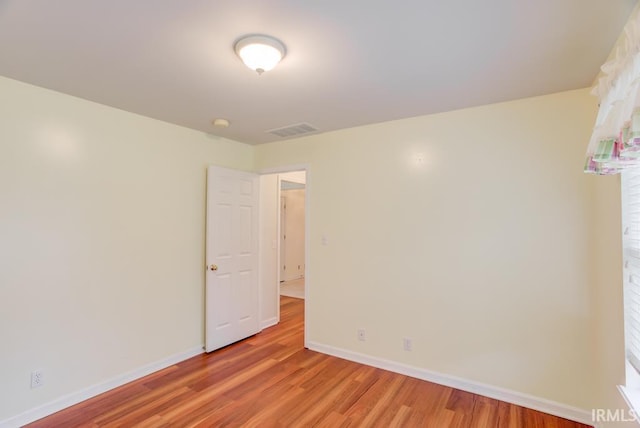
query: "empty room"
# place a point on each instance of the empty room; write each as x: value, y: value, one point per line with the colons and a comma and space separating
x: 331, y: 213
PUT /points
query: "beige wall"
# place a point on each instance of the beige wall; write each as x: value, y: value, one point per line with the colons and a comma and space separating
x: 466, y: 231
x: 101, y: 241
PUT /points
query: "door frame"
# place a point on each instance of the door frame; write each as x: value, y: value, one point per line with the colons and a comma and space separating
x: 307, y: 217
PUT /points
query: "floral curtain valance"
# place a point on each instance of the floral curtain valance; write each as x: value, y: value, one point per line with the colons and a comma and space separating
x: 615, y: 142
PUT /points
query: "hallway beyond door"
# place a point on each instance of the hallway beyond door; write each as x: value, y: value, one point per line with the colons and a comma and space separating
x: 293, y: 288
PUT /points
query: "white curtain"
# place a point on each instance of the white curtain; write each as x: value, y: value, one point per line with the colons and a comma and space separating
x: 615, y: 142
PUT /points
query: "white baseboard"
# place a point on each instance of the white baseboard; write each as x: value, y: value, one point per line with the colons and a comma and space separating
x: 513, y: 397
x: 270, y: 322
x: 84, y: 394
x: 518, y: 398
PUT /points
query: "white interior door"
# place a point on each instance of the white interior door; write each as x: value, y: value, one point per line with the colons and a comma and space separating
x: 231, y: 310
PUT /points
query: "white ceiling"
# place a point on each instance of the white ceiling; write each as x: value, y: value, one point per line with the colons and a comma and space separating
x: 348, y: 63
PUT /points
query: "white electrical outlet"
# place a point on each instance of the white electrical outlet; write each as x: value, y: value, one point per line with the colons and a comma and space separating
x: 362, y: 335
x: 37, y: 378
x: 407, y: 344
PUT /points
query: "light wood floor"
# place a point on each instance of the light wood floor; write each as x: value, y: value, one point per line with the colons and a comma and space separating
x: 270, y: 380
x: 293, y: 288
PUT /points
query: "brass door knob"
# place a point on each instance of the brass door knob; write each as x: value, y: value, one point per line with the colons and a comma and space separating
x: 213, y: 267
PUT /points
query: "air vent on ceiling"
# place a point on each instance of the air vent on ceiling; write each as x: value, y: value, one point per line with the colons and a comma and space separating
x: 293, y: 130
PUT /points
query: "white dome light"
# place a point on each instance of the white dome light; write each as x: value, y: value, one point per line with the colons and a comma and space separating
x: 260, y: 53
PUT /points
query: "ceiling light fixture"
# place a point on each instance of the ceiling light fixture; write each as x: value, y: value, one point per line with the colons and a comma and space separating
x: 221, y: 123
x: 260, y: 53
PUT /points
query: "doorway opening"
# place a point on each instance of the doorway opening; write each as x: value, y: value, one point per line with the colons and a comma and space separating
x: 292, y: 236
x: 284, y: 228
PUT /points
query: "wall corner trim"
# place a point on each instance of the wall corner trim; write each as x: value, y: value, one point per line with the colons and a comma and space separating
x: 69, y: 400
x: 513, y: 397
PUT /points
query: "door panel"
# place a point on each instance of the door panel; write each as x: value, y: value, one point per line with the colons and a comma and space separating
x: 232, y: 247
x: 222, y: 230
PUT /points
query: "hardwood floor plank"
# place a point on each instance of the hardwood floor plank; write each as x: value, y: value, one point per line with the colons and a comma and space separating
x: 270, y: 380
x: 461, y: 402
x: 154, y: 421
x: 83, y: 414
x: 380, y: 412
x: 333, y: 420
x: 148, y: 409
x: 359, y: 386
x: 485, y: 412
x: 144, y: 407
